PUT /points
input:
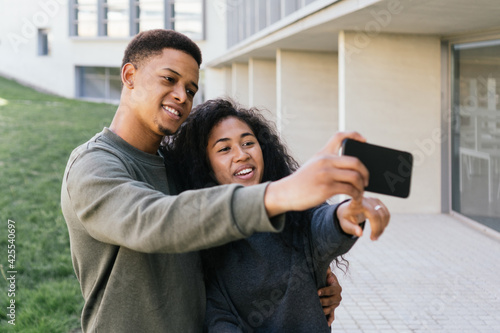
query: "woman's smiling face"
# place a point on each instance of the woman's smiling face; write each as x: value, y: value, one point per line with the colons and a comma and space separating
x: 234, y: 153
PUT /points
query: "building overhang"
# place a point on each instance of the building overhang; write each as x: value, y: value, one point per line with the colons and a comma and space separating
x: 316, y: 28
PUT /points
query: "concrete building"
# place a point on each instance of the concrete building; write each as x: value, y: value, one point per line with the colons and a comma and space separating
x: 417, y: 75
x: 74, y: 48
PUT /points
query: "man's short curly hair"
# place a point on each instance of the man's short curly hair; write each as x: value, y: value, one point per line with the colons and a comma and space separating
x: 152, y: 43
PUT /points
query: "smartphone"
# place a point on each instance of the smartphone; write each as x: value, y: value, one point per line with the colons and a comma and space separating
x: 390, y: 169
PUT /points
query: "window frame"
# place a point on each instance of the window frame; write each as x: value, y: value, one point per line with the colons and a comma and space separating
x: 43, y: 47
x: 451, y: 182
x: 79, y: 86
x: 133, y: 20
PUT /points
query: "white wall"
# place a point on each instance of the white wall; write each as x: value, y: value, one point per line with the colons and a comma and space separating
x: 215, y: 83
x: 390, y: 91
x: 307, y: 103
x: 239, y: 91
x: 55, y: 72
x: 19, y: 21
x: 262, y: 85
x: 19, y: 43
x: 214, y: 45
x: 215, y: 31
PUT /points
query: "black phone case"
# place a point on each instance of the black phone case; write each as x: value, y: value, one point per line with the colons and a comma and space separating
x: 390, y: 169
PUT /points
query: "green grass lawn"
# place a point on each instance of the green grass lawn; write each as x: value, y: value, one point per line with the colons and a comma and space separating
x: 37, y: 134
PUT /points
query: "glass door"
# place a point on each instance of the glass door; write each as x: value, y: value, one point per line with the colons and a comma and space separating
x: 476, y: 131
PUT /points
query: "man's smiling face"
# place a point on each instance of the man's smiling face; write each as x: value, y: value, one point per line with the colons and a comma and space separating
x: 163, y: 90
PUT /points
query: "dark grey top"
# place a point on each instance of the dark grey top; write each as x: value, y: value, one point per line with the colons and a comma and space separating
x: 269, y: 282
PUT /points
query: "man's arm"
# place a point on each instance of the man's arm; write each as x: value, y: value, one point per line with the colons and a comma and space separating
x: 330, y: 296
x: 326, y: 175
x: 117, y: 209
x: 323, y: 176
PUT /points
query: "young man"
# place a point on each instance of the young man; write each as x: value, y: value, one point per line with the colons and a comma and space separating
x: 133, y: 241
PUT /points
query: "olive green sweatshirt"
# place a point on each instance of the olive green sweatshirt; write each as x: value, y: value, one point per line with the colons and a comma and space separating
x: 134, y: 242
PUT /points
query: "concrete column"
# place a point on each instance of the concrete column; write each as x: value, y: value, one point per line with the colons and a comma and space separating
x: 214, y: 82
x: 240, y: 83
x: 307, y: 100
x: 228, y: 81
x: 217, y: 81
x: 389, y: 91
x: 262, y: 85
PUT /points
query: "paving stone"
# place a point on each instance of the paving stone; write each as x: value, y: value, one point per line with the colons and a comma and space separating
x: 426, y: 273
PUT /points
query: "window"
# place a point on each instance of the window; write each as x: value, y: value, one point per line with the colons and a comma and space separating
x: 99, y: 83
x: 148, y: 14
x: 43, y: 42
x: 84, y: 18
x: 122, y: 18
x: 262, y: 14
x: 104, y: 84
x: 186, y: 16
x: 476, y: 132
x: 247, y: 17
x: 116, y: 18
x: 274, y: 11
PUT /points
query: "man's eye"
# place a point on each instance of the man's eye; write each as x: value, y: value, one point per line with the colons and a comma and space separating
x: 169, y: 79
x: 191, y: 92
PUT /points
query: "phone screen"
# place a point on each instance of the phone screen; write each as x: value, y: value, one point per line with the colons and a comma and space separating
x: 390, y: 169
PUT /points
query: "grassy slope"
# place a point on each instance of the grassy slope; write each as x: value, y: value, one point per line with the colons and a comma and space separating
x: 37, y: 134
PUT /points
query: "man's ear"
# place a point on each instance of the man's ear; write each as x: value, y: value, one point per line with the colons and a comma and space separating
x: 128, y: 75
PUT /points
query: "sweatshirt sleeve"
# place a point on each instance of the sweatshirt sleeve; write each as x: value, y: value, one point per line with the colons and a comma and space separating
x: 115, y: 208
x: 328, y: 240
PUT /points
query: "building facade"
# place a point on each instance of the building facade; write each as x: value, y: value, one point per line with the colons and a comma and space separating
x: 417, y: 75
x: 74, y: 48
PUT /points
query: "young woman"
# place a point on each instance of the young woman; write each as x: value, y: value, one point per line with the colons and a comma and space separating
x: 267, y: 282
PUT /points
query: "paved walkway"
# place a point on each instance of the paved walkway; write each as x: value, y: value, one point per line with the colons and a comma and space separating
x: 427, y: 273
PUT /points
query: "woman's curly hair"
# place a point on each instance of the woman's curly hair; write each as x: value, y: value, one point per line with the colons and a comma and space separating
x: 188, y: 147
x: 186, y: 155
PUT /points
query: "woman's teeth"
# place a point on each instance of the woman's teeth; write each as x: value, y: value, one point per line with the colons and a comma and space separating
x: 244, y: 172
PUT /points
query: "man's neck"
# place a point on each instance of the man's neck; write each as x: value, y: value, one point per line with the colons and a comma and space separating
x: 134, y: 134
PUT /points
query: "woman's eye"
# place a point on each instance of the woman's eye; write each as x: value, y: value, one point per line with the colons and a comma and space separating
x: 249, y: 143
x: 169, y: 79
x: 223, y: 149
